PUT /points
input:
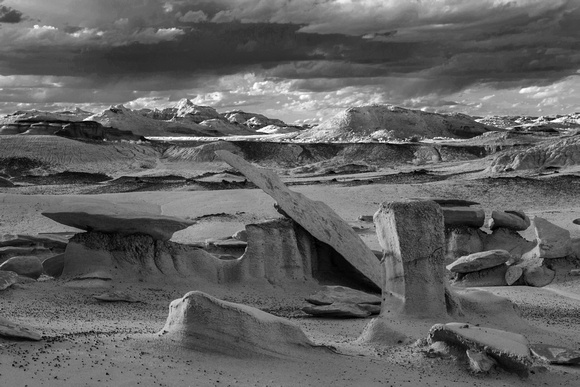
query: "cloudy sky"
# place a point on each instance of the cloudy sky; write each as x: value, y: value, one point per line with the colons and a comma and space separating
x: 292, y: 59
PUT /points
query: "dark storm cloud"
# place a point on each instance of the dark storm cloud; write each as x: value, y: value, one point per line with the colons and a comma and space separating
x: 10, y: 15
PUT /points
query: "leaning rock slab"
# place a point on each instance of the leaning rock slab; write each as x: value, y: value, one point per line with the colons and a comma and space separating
x: 7, y: 279
x: 53, y: 266
x: 479, y: 261
x: 12, y: 330
x: 411, y: 235
x: 333, y: 294
x: 463, y: 216
x: 513, y: 220
x: 553, y: 241
x: 510, y: 350
x: 201, y: 322
x: 337, y: 310
x: 316, y: 217
x: 109, y: 218
x: 556, y: 355
x: 26, y: 266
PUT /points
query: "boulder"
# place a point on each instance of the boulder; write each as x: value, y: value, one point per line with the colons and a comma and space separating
x: 463, y: 216
x: 411, y: 235
x: 513, y: 220
x: 479, y: 261
x: 53, y: 266
x: 553, y: 241
x: 461, y: 241
x: 493, y: 276
x: 27, y: 266
x: 333, y: 294
x: 12, y: 330
x: 337, y: 310
x: 109, y: 218
x: 509, y: 240
x: 576, y: 221
x: 538, y: 275
x: 7, y: 279
x: 510, y: 350
x: 316, y: 217
x: 556, y: 355
x: 513, y: 274
x: 201, y: 322
x: 11, y: 251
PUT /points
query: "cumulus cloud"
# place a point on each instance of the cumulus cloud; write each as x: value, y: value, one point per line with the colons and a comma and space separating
x: 10, y: 15
x: 192, y: 17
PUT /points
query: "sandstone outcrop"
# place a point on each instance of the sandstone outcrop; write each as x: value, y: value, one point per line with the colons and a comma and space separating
x: 110, y: 218
x: 204, y: 323
x: 559, y: 153
x: 316, y: 217
x: 510, y: 350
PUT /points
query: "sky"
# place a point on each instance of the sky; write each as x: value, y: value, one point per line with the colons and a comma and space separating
x: 297, y: 60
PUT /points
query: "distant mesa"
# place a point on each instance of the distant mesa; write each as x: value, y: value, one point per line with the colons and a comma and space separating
x: 388, y: 123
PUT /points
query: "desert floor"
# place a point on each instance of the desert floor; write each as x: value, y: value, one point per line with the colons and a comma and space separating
x: 88, y: 343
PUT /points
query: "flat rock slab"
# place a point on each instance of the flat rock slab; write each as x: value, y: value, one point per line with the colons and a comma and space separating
x: 12, y: 330
x: 331, y: 294
x: 479, y: 261
x: 7, y: 279
x: 201, y: 322
x: 109, y: 218
x: 337, y: 310
x: 116, y: 296
x: 510, y: 350
x: 556, y: 355
x: 46, y: 240
x: 463, y: 216
x: 316, y: 217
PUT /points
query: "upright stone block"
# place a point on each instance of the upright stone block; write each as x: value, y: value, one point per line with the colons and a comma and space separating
x: 412, y: 236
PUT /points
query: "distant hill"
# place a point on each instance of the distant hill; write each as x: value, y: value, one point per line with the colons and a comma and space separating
x: 388, y: 123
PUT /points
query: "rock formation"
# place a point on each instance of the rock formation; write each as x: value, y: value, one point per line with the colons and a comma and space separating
x: 7, y: 279
x: 512, y: 220
x: 12, y: 330
x: 463, y: 216
x: 203, y: 323
x: 364, y: 123
x: 316, y: 217
x: 342, y: 302
x: 555, y: 153
x: 510, y: 350
x: 412, y: 238
x: 110, y: 218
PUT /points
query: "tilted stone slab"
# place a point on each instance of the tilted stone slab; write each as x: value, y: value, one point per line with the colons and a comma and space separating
x: 556, y: 355
x: 201, y: 322
x: 109, y: 218
x: 11, y: 330
x: 337, y: 310
x: 463, y: 216
x: 553, y: 241
x: 412, y: 237
x: 510, y: 350
x: 479, y: 261
x: 513, y: 220
x: 332, y: 294
x: 316, y: 217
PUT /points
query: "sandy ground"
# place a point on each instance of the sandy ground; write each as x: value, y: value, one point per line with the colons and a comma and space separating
x: 89, y: 343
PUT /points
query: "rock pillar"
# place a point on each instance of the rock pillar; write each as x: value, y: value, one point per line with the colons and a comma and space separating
x: 411, y: 234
